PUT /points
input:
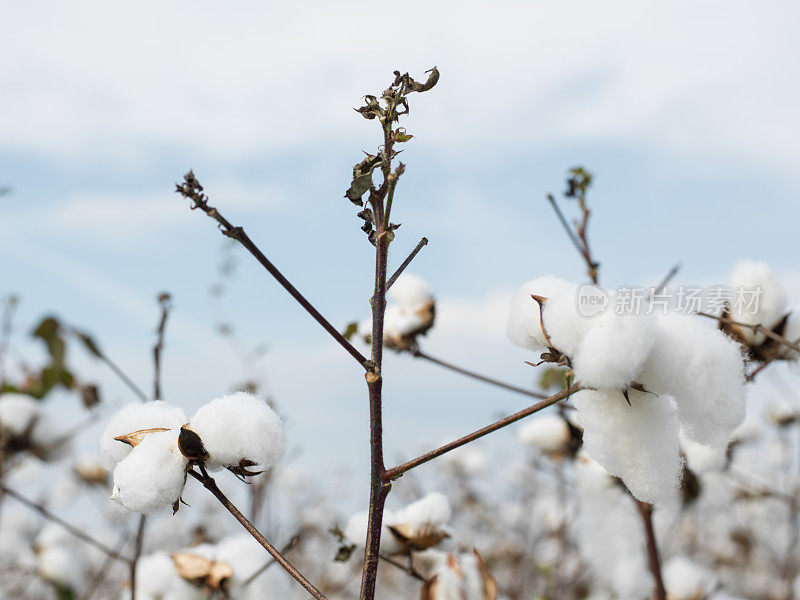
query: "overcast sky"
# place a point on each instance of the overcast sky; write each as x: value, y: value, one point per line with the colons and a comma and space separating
x: 685, y: 111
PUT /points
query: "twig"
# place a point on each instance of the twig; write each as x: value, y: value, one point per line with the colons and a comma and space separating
x: 211, y: 485
x: 102, y: 572
x: 61, y: 522
x: 406, y: 262
x: 578, y: 240
x: 758, y: 328
x: 94, y: 349
x: 164, y: 303
x: 192, y: 190
x: 397, y: 471
x: 408, y: 569
x: 10, y: 305
x: 285, y: 550
x: 668, y: 277
x: 654, y: 560
x: 137, y: 552
x: 417, y: 353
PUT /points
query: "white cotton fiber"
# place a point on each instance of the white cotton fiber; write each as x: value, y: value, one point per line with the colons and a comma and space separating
x: 703, y: 370
x: 469, y: 460
x: 752, y: 276
x: 684, y: 579
x: 239, y: 427
x: 638, y: 442
x: 135, y: 417
x: 613, y: 350
x: 791, y: 332
x: 564, y: 324
x: 524, y: 324
x: 152, y: 476
x: 17, y: 412
x: 155, y: 576
x: 547, y: 433
x: 245, y: 555
x: 433, y: 509
x: 64, y: 565
x: 700, y: 458
x: 410, y: 291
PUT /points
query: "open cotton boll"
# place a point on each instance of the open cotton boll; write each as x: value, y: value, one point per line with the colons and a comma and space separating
x: 17, y: 413
x: 638, y: 442
x: 135, y: 417
x: 548, y: 433
x: 239, y: 427
x: 563, y: 322
x: 684, y: 579
x: 703, y: 370
x: 469, y: 460
x: 613, y: 350
x: 152, y: 476
x: 410, y: 291
x: 791, y: 332
x: 524, y: 327
x: 751, y: 276
x: 64, y: 565
x: 700, y: 458
x: 155, y: 577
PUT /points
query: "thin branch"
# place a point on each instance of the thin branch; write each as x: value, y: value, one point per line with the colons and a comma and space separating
x: 654, y: 560
x: 192, y: 190
x: 137, y: 552
x: 565, y: 224
x: 62, y: 523
x: 408, y: 569
x: 397, y: 471
x: 758, y: 328
x: 211, y: 485
x: 668, y: 277
x: 164, y: 303
x: 93, y: 348
x: 406, y: 262
x: 417, y: 353
x: 102, y: 572
x: 285, y: 550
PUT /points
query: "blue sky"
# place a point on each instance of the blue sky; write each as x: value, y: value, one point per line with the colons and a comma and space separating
x: 685, y: 111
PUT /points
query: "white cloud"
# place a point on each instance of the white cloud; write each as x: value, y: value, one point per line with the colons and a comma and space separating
x: 122, y: 82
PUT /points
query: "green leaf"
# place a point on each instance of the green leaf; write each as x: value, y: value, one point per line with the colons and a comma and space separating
x: 88, y: 343
x: 362, y: 179
x: 350, y: 330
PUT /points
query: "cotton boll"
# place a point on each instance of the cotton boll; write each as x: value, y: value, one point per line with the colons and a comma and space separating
x: 152, y: 476
x: 524, y: 327
x: 433, y: 509
x: 684, y: 579
x: 469, y: 460
x: 155, y: 576
x: 637, y: 443
x: 703, y: 370
x: 613, y: 350
x: 700, y: 458
x: 410, y: 291
x: 548, y: 433
x: 63, y: 565
x: 563, y: 322
x: 239, y: 427
x: 135, y: 417
x: 751, y: 276
x: 17, y: 413
x: 791, y: 332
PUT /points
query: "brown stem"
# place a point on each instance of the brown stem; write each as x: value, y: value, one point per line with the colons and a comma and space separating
x: 417, y: 353
x: 285, y: 550
x: 192, y: 190
x: 137, y: 552
x: 211, y: 485
x: 654, y: 560
x: 397, y: 471
x: 378, y: 488
x: 758, y: 328
x: 164, y: 302
x: 62, y: 523
x: 406, y: 262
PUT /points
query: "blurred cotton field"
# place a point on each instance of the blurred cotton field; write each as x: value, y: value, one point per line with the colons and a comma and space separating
x: 545, y: 347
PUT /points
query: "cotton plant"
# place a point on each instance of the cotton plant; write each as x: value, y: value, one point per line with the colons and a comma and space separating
x: 151, y: 447
x: 410, y: 314
x: 645, y: 379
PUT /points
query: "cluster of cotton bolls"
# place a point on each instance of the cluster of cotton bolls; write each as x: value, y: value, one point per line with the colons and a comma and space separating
x: 25, y: 426
x: 647, y: 377
x: 142, y: 444
x: 410, y: 313
x: 417, y: 526
x: 760, y: 299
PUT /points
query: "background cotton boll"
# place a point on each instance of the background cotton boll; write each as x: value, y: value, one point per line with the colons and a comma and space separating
x: 64, y: 565
x: 684, y: 579
x: 469, y: 460
x: 613, y: 350
x: 410, y: 291
x: 237, y: 427
x: 152, y: 476
x: 524, y: 324
x: 155, y: 576
x: 134, y: 417
x: 751, y: 276
x: 547, y: 433
x: 637, y: 443
x: 356, y: 532
x: 703, y: 370
x: 792, y: 333
x: 17, y: 412
x: 700, y: 458
x: 433, y: 509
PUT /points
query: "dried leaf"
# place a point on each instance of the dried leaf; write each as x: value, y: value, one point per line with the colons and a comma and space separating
x: 418, y: 537
x: 134, y: 438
